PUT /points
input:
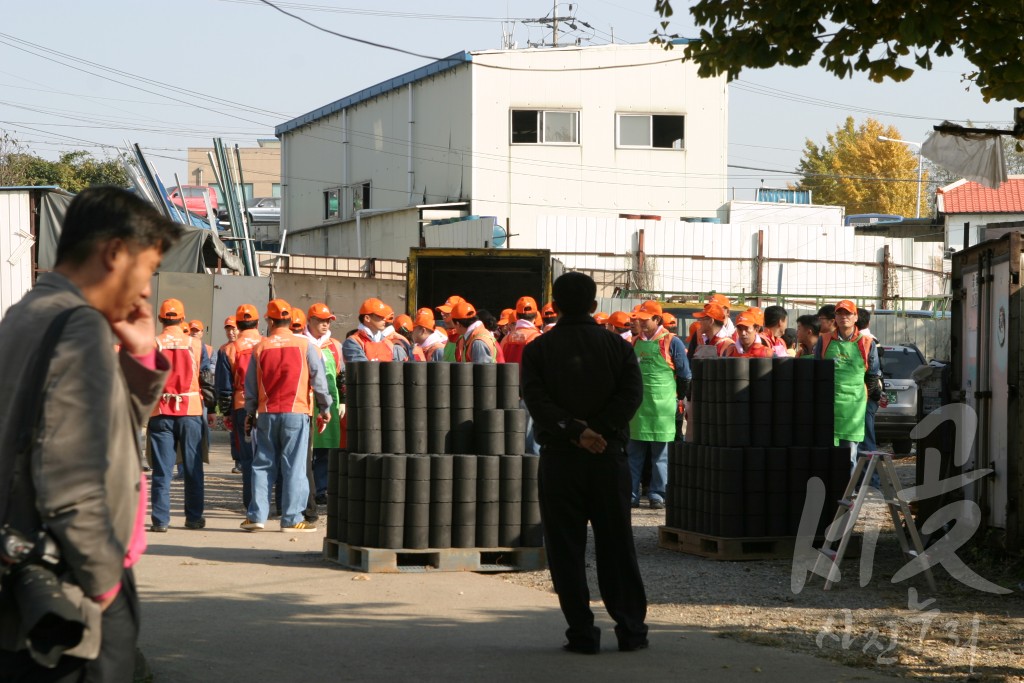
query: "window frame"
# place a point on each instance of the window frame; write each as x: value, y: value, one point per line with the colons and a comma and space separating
x: 326, y: 213
x: 540, y: 127
x: 650, y: 130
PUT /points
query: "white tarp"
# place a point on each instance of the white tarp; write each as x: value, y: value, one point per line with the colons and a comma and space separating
x: 975, y: 156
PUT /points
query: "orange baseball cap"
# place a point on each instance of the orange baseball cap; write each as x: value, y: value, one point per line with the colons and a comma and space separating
x: 319, y: 310
x: 713, y: 311
x: 601, y: 318
x: 247, y: 312
x: 172, y: 309
x: 847, y: 305
x: 230, y: 322
x: 373, y: 306
x: 548, y: 311
x: 298, y: 321
x: 404, y: 322
x: 279, y: 309
x: 746, y: 319
x: 526, y: 304
x: 720, y: 299
x: 619, y: 319
x: 757, y: 314
x: 648, y: 310
x: 449, y: 303
x: 184, y: 327
x: 196, y: 325
x: 507, y: 316
x: 424, y: 318
x: 463, y: 310
x: 668, y: 320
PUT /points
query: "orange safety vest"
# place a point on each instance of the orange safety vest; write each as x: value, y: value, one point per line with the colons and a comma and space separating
x: 397, y: 339
x: 239, y: 352
x: 479, y: 334
x: 382, y: 351
x: 282, y: 373
x: 181, y: 394
x: 863, y: 344
x: 756, y: 351
x: 516, y: 341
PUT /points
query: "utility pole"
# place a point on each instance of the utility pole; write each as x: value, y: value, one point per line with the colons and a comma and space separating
x: 554, y: 14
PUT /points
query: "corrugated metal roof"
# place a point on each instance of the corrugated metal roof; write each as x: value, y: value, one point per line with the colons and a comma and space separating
x: 972, y: 197
x: 375, y: 90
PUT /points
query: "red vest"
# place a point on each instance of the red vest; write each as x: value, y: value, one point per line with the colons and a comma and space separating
x: 181, y: 390
x: 481, y: 333
x: 516, y: 341
x: 239, y: 352
x: 282, y: 373
x: 756, y: 351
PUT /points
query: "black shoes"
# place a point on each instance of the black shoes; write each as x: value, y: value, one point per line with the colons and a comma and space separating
x: 196, y: 523
x: 158, y: 528
x: 633, y: 647
x: 321, y: 499
x: 581, y: 649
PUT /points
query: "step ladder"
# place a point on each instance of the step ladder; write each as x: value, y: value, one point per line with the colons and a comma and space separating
x: 849, y: 510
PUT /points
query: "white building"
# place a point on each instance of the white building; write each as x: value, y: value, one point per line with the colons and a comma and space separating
x: 968, y: 208
x: 604, y: 132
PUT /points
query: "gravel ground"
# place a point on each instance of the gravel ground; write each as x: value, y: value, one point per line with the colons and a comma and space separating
x: 956, y: 633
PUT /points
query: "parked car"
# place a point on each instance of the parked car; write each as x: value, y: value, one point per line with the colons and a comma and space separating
x: 898, y: 410
x: 195, y: 198
x: 259, y: 210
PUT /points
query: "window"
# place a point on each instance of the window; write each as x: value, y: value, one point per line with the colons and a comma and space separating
x: 658, y: 131
x: 332, y: 204
x: 275, y: 189
x: 360, y: 193
x: 534, y: 126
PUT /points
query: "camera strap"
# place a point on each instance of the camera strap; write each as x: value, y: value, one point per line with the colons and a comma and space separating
x: 31, y: 411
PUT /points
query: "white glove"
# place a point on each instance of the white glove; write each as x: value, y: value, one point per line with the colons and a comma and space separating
x: 341, y: 410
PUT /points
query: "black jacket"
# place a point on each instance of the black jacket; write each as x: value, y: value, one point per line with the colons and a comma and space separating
x: 581, y: 373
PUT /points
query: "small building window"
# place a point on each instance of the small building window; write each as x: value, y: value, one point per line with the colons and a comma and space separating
x: 360, y: 193
x: 275, y: 189
x: 657, y: 131
x: 332, y: 204
x: 535, y: 126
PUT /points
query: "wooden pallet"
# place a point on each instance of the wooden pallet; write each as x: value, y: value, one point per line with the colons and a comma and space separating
x: 402, y: 560
x: 735, y: 549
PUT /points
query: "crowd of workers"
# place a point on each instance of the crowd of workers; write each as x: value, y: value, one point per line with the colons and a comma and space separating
x: 282, y: 395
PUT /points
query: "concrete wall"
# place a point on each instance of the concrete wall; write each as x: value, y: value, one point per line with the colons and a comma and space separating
x: 389, y: 236
x: 15, y: 247
x: 342, y: 295
x: 977, y: 221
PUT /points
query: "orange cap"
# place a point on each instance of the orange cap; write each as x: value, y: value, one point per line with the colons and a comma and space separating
x: 526, y: 304
x: 847, y: 305
x: 404, y: 322
x: 619, y: 319
x: 247, y: 312
x: 449, y: 303
x: 298, y: 321
x: 713, y: 311
x: 548, y: 311
x: 758, y: 315
x: 319, y: 310
x: 424, y: 318
x: 279, y: 309
x: 172, y: 309
x: 374, y: 306
x: 648, y: 310
x: 668, y: 320
x: 463, y: 310
x: 720, y: 299
x: 508, y: 316
x: 601, y: 318
x: 184, y: 327
x: 230, y: 322
x: 196, y: 325
x: 746, y: 319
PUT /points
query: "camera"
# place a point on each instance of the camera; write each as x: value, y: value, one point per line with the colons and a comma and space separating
x: 52, y: 624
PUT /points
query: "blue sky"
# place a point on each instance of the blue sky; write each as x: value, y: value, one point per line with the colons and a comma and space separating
x: 174, y: 75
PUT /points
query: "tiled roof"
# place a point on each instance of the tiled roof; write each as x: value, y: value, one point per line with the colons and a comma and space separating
x: 966, y: 196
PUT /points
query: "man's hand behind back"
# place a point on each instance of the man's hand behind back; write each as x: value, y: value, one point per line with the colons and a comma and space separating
x: 592, y: 441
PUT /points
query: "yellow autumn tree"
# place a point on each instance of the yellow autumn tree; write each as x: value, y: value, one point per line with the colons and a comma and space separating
x: 854, y: 169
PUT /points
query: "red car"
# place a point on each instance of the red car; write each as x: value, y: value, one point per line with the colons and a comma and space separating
x: 194, y: 198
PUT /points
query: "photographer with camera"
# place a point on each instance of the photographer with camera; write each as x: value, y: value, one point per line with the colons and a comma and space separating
x: 72, y: 491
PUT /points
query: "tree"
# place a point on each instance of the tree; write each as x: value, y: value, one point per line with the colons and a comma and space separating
x: 12, y: 161
x: 73, y: 171
x: 853, y: 168
x: 878, y: 38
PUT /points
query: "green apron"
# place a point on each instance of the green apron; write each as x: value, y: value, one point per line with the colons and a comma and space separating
x: 331, y: 437
x: 449, y: 352
x: 656, y: 418
x: 851, y: 394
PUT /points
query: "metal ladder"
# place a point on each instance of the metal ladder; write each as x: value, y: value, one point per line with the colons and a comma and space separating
x: 849, y: 510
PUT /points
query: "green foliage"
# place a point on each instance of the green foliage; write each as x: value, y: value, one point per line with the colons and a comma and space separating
x: 73, y: 171
x: 885, y: 40
x: 854, y: 169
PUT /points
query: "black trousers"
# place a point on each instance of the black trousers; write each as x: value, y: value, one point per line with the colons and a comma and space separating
x: 577, y: 487
x: 116, y: 661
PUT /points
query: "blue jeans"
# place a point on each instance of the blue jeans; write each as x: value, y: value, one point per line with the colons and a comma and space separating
x: 638, y: 451
x: 244, y: 455
x: 166, y: 436
x: 281, y: 443
x: 869, y: 443
x: 532, y: 447
x: 320, y: 457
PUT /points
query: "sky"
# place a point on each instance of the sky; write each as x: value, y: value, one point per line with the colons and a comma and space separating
x: 168, y: 76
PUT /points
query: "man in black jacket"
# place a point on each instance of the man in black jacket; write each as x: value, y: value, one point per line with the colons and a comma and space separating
x: 582, y: 385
